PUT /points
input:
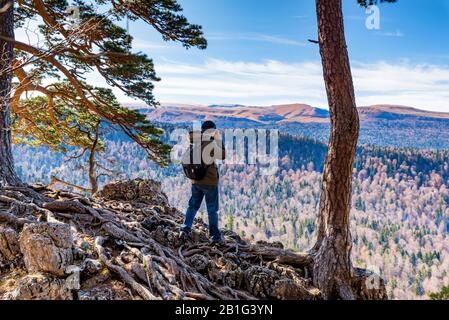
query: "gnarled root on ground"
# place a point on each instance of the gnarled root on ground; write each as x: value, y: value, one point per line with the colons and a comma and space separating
x: 123, y: 243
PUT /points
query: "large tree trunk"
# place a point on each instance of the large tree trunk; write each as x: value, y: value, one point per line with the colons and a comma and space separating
x: 332, y: 271
x: 7, y: 173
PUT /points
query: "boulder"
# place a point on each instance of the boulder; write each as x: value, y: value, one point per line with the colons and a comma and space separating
x: 39, y: 286
x: 144, y: 191
x: 369, y: 285
x: 47, y: 247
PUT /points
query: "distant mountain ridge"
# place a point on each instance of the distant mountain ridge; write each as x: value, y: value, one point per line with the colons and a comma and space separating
x: 398, y: 112
x: 279, y: 114
x: 292, y: 113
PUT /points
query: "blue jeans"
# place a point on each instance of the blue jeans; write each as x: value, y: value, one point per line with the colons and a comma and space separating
x: 200, y: 192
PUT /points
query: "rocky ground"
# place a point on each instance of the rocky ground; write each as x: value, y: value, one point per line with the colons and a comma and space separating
x: 123, y: 244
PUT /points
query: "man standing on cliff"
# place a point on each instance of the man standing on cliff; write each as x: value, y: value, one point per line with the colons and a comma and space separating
x: 200, y: 167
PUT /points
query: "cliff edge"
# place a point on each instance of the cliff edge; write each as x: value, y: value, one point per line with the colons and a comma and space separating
x: 123, y: 243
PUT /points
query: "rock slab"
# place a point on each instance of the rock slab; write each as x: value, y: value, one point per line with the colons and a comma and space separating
x: 47, y: 247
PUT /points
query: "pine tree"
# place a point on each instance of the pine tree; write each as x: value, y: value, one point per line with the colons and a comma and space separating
x: 230, y: 222
x: 93, y: 42
x: 442, y: 295
x: 333, y: 272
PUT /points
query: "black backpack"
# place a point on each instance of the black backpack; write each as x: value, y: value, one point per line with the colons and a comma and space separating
x: 193, y: 171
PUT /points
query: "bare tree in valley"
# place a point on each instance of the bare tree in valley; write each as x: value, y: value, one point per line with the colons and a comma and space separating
x: 333, y: 272
x: 89, y: 157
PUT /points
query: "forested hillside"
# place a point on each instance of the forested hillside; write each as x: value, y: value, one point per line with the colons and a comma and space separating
x: 422, y: 134
x: 401, y: 202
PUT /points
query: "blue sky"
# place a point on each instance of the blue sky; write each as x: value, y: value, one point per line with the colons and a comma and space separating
x: 258, y: 54
x: 414, y: 29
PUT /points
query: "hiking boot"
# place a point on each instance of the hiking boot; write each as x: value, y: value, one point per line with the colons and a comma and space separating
x: 217, y: 242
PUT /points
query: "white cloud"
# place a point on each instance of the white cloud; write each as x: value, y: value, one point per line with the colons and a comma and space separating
x: 240, y: 82
x: 273, y: 82
x: 424, y: 86
x: 140, y: 44
x: 274, y: 39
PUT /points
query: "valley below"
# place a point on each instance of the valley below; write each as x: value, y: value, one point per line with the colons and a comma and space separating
x: 400, y: 215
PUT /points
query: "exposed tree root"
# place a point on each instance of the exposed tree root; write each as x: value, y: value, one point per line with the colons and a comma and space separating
x: 137, y: 287
x: 137, y: 241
